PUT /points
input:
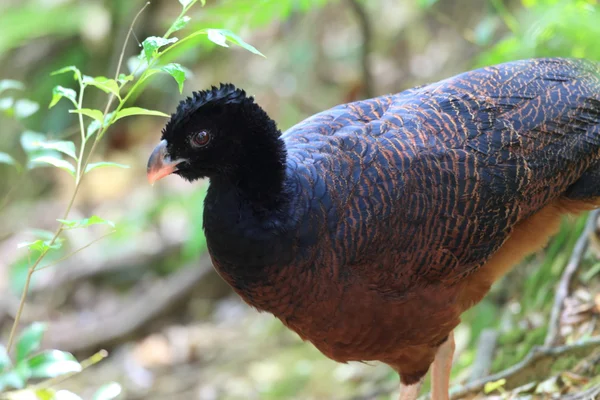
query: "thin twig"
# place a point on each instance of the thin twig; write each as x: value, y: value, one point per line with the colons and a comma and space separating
x: 75, y: 252
x: 131, y: 258
x: 88, y: 362
x: 129, y: 32
x: 367, y: 36
x: 563, y: 289
x: 536, y: 365
x: 13, y: 329
x: 111, y: 97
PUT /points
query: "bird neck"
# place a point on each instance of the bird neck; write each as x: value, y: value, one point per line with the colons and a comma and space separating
x: 245, y: 218
x: 260, y: 175
x: 247, y: 205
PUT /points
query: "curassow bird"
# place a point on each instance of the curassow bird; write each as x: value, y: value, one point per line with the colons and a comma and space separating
x: 370, y: 227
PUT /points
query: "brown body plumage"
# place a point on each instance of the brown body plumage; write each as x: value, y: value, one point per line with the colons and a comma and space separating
x: 377, y: 223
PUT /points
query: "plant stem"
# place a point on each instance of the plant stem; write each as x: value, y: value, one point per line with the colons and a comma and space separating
x: 180, y: 42
x: 129, y: 32
x: 75, y: 252
x: 88, y: 362
x: 30, y: 272
x: 80, y: 172
x: 120, y: 63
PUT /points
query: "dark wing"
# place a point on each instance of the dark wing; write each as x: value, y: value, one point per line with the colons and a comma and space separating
x: 433, y: 180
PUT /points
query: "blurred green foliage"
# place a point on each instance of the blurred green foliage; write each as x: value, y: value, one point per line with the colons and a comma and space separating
x: 542, y: 28
x: 238, y: 14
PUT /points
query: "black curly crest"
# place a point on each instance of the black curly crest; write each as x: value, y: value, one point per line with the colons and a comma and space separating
x: 226, y: 93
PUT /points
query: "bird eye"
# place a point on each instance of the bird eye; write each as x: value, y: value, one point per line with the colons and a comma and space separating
x: 200, y: 139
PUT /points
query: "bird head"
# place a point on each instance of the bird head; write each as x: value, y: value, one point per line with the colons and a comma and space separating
x: 211, y: 133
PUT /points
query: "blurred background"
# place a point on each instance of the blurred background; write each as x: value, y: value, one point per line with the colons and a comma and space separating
x: 147, y: 293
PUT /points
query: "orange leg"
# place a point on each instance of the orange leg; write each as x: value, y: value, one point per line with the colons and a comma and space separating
x: 410, y: 392
x: 440, y: 370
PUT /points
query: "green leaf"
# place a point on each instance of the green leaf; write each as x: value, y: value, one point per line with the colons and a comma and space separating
x: 64, y: 146
x: 95, y: 114
x: 29, y: 140
x: 59, y: 92
x: 25, y: 108
x: 52, y: 363
x: 57, y: 162
x: 177, y: 72
x: 103, y: 83
x: 7, y: 159
x: 493, y: 386
x: 149, y: 73
x: 45, y: 394
x: 4, y: 359
x: 95, y: 125
x: 220, y: 36
x: 30, y: 340
x: 181, y: 23
x: 108, y: 391
x: 127, y: 112
x: 186, y: 3
x: 153, y: 43
x: 11, y: 379
x: 124, y: 78
x: 7, y: 84
x: 6, y: 103
x: 103, y: 164
x: 41, y: 245
x: 215, y: 36
x: 137, y: 64
x: 65, y: 395
x: 70, y: 68
x: 81, y: 223
x: 92, y: 128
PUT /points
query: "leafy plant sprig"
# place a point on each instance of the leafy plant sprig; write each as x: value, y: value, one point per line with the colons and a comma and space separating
x: 52, y: 366
x: 65, y: 154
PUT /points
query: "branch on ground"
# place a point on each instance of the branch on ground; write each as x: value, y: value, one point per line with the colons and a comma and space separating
x: 138, y: 309
x: 553, y: 336
x: 536, y: 366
